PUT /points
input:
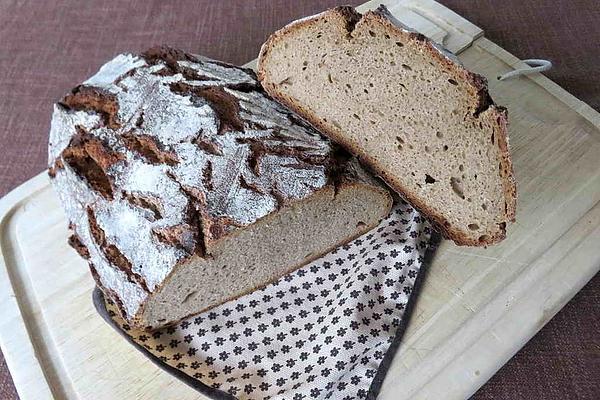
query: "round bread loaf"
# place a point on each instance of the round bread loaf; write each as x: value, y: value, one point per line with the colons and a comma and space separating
x: 185, y: 185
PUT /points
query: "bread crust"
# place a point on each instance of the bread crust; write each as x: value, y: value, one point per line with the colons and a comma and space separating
x: 499, y: 115
x: 149, y: 182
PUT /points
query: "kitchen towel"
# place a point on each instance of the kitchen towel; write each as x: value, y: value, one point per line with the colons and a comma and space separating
x: 329, y: 330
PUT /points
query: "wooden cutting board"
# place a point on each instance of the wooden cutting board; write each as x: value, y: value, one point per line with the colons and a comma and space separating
x: 477, y: 307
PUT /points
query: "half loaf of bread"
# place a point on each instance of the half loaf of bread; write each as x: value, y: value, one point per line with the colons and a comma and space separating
x: 407, y: 108
x: 186, y: 186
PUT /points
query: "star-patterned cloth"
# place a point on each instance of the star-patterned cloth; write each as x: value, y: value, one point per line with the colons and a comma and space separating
x: 326, y: 331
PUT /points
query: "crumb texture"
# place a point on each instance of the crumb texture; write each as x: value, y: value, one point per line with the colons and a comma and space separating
x: 161, y: 157
x: 406, y: 108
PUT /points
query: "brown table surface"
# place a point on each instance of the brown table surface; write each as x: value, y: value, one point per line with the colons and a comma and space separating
x: 48, y: 47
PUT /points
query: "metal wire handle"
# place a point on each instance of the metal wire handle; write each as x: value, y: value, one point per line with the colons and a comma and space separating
x: 537, y: 65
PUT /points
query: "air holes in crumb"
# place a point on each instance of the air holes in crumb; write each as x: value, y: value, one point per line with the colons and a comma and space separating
x: 457, y: 187
x: 188, y: 296
x: 484, y: 206
x: 360, y: 224
x: 348, y: 86
x: 366, y: 91
x: 406, y: 67
x: 386, y: 36
x: 399, y: 44
x: 356, y: 116
x: 393, y: 63
x: 439, y: 135
x: 370, y: 85
x: 445, y: 148
x: 402, y: 84
x: 427, y: 149
x: 399, y: 139
x: 429, y: 179
x: 484, y: 238
x: 453, y: 82
x: 305, y: 63
x: 493, y: 138
x: 473, y: 227
x: 286, y: 81
x: 329, y: 78
x: 461, y: 168
x: 372, y: 33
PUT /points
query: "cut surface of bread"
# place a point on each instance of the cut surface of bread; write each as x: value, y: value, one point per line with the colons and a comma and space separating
x: 406, y: 108
x: 267, y: 250
x: 185, y: 185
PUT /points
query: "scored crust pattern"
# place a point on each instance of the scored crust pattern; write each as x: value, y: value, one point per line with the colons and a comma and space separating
x: 159, y: 155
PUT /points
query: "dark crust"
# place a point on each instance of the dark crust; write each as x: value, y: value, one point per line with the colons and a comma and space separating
x: 216, y: 228
x: 258, y: 149
x: 350, y: 15
x: 89, y: 158
x: 484, y: 104
x: 225, y: 105
x: 167, y: 55
x: 207, y: 176
x: 249, y: 186
x: 87, y: 98
x: 112, y: 253
x: 146, y: 202
x: 110, y: 294
x: 208, y: 146
x: 54, y: 168
x: 76, y: 243
x: 170, y: 56
x: 149, y: 148
x: 176, y: 236
x: 196, y: 214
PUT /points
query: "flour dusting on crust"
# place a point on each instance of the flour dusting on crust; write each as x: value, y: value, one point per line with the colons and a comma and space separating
x: 159, y: 155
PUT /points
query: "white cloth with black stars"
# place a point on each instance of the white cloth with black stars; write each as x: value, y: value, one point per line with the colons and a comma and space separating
x: 317, y: 333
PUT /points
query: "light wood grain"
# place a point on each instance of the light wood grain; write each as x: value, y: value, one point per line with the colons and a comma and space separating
x: 476, y: 309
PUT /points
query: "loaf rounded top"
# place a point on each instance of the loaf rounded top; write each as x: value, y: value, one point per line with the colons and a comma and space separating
x: 160, y: 155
